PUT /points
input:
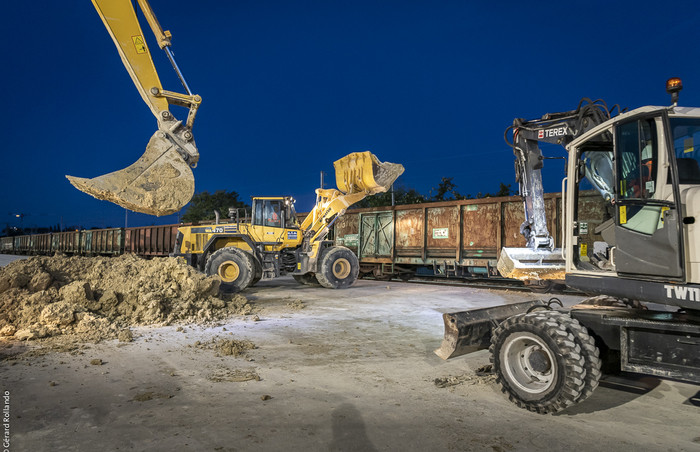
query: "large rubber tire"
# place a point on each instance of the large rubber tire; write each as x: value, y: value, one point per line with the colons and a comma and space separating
x: 338, y: 268
x: 308, y: 279
x: 234, y: 266
x: 257, y: 275
x: 538, y: 362
x: 591, y: 355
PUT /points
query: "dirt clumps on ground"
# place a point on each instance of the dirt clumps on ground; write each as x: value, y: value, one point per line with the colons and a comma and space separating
x: 227, y: 347
x: 223, y: 374
x: 100, y: 297
x: 483, y: 375
x: 296, y: 305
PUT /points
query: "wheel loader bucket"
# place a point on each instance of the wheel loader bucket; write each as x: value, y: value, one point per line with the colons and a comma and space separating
x: 469, y: 331
x: 159, y: 183
x: 528, y: 264
x: 363, y: 172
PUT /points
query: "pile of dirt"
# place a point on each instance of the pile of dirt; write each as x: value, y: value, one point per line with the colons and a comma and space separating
x: 100, y: 297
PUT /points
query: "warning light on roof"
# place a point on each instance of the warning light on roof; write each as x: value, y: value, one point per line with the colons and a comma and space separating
x: 674, y: 86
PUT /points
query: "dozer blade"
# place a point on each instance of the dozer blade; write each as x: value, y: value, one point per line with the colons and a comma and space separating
x: 363, y: 172
x: 468, y: 331
x: 528, y: 264
x: 159, y: 183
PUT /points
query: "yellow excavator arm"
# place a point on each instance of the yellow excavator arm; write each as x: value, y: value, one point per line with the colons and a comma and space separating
x: 160, y: 182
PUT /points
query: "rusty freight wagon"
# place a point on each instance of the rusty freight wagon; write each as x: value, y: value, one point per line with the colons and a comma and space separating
x: 453, y: 239
x: 151, y: 241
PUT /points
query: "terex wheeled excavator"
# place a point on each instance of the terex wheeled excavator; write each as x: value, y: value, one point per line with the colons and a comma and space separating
x: 161, y: 181
x: 272, y: 242
x: 631, y: 198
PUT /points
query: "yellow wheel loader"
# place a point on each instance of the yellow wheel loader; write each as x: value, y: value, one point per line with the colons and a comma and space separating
x: 638, y: 257
x: 273, y: 243
x: 161, y: 181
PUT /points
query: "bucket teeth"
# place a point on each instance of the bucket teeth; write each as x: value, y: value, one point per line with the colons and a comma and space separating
x: 159, y: 183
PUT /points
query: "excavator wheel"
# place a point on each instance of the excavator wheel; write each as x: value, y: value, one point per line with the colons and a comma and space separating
x: 234, y: 266
x: 308, y: 279
x: 338, y: 268
x: 538, y: 361
x: 591, y: 354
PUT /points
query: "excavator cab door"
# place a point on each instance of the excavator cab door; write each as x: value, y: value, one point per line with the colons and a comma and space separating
x: 647, y: 232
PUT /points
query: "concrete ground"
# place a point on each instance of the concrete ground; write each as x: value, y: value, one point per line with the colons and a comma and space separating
x: 7, y: 258
x: 353, y: 370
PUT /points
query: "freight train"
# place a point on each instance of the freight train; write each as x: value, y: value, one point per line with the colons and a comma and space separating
x: 146, y: 241
x: 452, y: 239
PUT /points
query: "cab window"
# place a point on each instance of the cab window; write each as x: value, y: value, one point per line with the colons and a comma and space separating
x: 637, y: 159
x: 272, y: 215
x: 686, y: 146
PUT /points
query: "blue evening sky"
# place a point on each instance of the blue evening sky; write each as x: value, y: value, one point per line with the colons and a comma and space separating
x: 290, y: 86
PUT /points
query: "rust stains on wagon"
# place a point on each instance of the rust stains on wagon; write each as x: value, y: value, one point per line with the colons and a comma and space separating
x: 460, y: 238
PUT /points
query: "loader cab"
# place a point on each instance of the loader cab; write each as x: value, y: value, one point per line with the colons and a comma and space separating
x: 275, y: 213
x: 628, y: 202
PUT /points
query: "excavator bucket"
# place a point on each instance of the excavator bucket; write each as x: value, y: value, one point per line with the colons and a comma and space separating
x: 363, y: 172
x: 468, y: 331
x: 159, y: 183
x: 533, y: 265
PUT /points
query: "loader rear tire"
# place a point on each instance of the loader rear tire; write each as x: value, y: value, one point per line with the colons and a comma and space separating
x: 338, y: 268
x: 538, y: 362
x: 234, y: 266
x: 308, y: 279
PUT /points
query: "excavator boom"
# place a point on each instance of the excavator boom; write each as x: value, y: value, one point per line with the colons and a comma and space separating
x: 541, y: 260
x: 161, y: 181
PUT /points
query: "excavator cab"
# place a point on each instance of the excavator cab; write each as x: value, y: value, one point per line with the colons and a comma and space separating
x: 161, y: 181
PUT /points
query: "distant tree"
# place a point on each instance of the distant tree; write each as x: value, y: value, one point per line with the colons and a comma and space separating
x: 446, y: 191
x: 402, y: 195
x: 202, y: 205
x: 503, y: 190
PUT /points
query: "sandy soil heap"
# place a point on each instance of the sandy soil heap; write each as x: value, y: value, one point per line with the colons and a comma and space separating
x: 99, y: 297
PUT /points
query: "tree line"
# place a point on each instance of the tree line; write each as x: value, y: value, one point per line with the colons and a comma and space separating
x: 203, y: 204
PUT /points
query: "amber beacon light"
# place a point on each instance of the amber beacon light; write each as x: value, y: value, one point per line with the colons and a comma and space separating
x: 674, y: 86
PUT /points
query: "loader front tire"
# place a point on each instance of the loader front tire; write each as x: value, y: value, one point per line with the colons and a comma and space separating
x: 233, y: 266
x: 338, y: 268
x: 538, y: 362
x: 257, y: 276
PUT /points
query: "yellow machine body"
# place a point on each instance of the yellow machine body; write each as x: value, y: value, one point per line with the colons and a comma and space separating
x: 161, y: 181
x: 274, y: 243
